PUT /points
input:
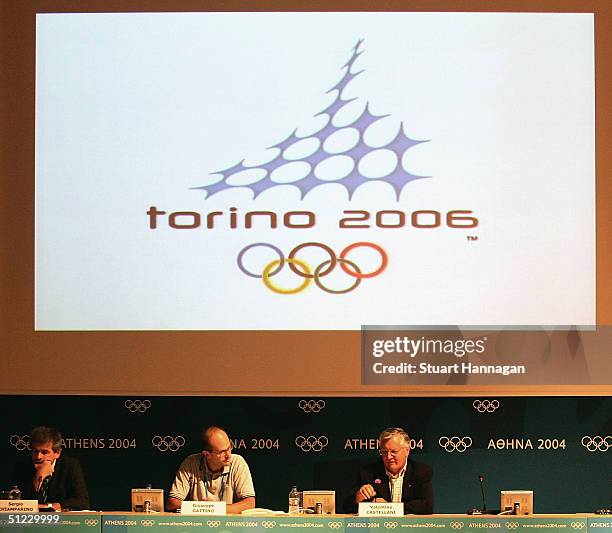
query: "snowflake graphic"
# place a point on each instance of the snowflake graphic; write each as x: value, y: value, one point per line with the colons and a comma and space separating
x: 398, y: 177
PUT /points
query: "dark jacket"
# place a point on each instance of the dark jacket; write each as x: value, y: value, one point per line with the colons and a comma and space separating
x: 67, y: 486
x: 417, y: 490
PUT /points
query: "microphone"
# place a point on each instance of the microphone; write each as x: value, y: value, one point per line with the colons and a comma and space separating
x: 484, y: 503
x: 484, y: 509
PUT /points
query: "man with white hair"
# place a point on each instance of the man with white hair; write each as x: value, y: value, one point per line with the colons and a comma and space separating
x: 398, y: 478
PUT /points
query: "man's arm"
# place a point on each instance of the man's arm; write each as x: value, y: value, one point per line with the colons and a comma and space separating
x: 367, y: 492
x: 244, y: 490
x: 364, y: 489
x: 239, y: 506
x: 180, y: 488
x: 172, y: 504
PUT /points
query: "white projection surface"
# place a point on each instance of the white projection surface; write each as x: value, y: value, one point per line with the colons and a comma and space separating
x: 183, y: 158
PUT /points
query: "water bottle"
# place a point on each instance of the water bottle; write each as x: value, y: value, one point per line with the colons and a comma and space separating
x: 15, y: 493
x: 294, y: 500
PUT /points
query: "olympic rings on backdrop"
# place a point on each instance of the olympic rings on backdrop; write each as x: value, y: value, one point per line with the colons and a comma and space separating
x: 303, y: 270
x: 486, y: 406
x: 21, y: 442
x: 597, y: 443
x: 455, y: 444
x: 168, y: 443
x: 137, y: 406
x: 311, y: 406
x: 311, y: 443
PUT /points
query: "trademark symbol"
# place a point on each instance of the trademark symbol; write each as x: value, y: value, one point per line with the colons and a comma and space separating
x: 472, y: 237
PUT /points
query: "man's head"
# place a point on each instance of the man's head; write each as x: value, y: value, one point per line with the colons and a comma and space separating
x: 46, y: 444
x: 217, y: 448
x: 394, y: 448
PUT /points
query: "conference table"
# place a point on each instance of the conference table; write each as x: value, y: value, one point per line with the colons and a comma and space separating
x: 124, y: 522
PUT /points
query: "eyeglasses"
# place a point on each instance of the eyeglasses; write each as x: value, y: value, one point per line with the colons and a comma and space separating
x: 392, y: 453
x: 227, y: 451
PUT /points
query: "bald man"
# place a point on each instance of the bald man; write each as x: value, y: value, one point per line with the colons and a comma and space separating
x: 215, y: 475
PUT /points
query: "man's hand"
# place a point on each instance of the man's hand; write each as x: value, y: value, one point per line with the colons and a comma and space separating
x: 172, y: 504
x: 365, y: 493
x: 42, y: 470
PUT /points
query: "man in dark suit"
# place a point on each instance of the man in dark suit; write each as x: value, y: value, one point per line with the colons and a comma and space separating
x: 51, y: 478
x: 397, y: 478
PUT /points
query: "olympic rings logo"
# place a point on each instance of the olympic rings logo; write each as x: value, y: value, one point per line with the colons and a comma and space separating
x: 213, y: 523
x: 90, y: 523
x: 21, y: 442
x: 311, y: 406
x: 311, y: 443
x: 304, y: 270
x: 578, y: 525
x: 485, y: 406
x: 147, y: 523
x: 137, y: 406
x: 163, y: 444
x: 455, y: 444
x: 334, y: 525
x: 512, y: 525
x: 268, y: 524
x: 390, y: 525
x: 456, y: 525
x: 597, y: 443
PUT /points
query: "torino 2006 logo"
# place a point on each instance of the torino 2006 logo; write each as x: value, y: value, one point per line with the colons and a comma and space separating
x: 455, y: 444
x: 168, y: 443
x: 597, y: 443
x: 303, y: 270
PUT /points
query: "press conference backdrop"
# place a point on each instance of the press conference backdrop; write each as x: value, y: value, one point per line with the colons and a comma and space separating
x: 559, y: 447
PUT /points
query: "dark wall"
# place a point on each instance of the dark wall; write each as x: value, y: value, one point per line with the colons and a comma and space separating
x: 113, y: 437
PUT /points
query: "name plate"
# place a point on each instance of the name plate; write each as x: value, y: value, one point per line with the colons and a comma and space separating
x: 18, y: 506
x: 213, y: 508
x: 381, y: 509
